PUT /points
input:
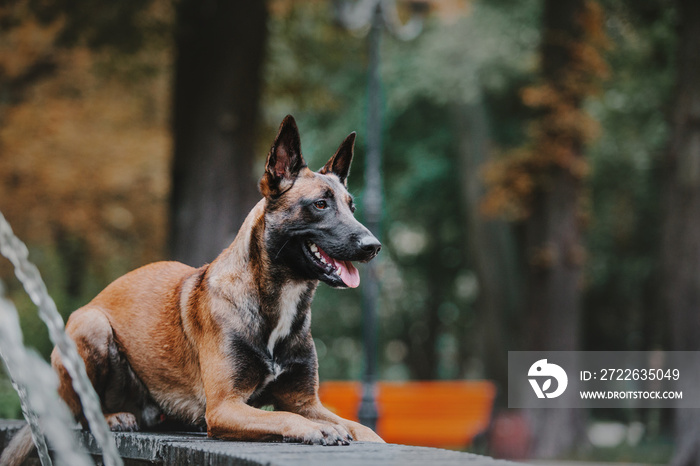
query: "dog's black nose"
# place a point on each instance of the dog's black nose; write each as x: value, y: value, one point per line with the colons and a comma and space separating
x: 370, y: 245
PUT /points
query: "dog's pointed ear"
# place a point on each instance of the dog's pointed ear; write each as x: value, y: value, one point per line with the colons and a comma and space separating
x: 339, y: 164
x: 284, y: 161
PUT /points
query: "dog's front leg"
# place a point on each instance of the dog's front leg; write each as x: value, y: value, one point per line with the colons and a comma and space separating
x: 229, y: 417
x: 315, y: 411
x: 296, y: 391
x: 235, y: 420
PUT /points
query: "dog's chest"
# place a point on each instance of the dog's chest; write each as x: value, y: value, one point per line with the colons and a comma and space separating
x: 276, y: 360
x: 289, y: 299
x: 270, y: 368
x: 274, y: 370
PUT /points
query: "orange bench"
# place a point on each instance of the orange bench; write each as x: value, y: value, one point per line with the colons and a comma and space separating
x: 434, y: 414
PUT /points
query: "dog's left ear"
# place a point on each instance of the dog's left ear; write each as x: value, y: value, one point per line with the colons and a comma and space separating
x: 284, y: 161
x: 339, y: 164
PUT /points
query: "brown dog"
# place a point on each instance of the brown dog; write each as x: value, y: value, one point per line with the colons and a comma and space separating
x: 209, y: 346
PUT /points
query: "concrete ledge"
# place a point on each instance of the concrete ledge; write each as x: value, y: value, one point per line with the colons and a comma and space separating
x: 142, y: 448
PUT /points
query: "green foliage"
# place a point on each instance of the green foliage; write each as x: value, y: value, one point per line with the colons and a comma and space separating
x: 458, y: 62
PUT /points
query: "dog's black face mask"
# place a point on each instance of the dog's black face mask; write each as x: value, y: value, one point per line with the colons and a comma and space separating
x: 310, y: 227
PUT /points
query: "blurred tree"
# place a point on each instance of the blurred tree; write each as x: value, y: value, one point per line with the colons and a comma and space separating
x: 622, y: 271
x: 83, y: 144
x: 220, y: 49
x: 622, y: 278
x: 425, y: 240
x: 543, y: 184
x: 490, y: 242
x: 40, y: 30
x: 570, y: 67
x: 680, y: 247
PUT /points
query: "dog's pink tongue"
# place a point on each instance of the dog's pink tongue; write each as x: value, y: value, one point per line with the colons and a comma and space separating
x: 348, y: 273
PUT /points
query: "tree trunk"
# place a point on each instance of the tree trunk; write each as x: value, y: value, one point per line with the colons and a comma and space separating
x: 491, y: 250
x: 553, y: 242
x: 220, y: 46
x: 553, y: 250
x: 681, y: 229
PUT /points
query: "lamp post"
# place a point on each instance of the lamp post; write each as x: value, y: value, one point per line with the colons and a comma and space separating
x: 374, y: 17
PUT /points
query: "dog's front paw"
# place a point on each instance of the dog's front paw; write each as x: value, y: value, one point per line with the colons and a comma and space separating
x: 320, y: 434
x: 122, y: 422
x: 362, y: 433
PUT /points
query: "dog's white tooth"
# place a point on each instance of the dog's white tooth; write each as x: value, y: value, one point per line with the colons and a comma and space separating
x: 318, y: 254
x: 313, y: 247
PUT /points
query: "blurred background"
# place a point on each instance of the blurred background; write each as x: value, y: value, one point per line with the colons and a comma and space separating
x: 541, y: 173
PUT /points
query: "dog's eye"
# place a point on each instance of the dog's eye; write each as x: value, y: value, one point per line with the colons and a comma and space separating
x: 320, y: 205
